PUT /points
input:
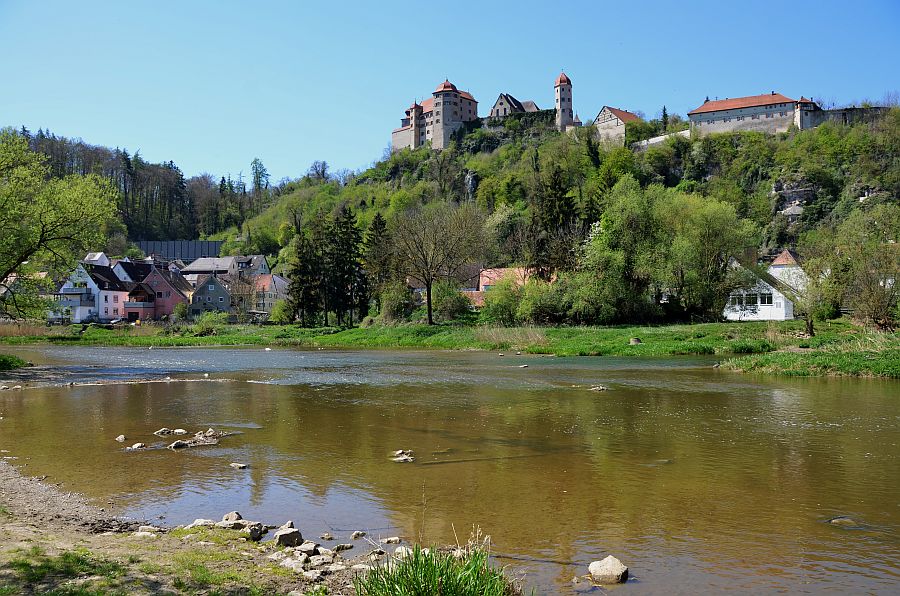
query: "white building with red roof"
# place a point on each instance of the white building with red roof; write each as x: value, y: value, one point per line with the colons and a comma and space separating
x: 435, y: 119
x: 770, y: 112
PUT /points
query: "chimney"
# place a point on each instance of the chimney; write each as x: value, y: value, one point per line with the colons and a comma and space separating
x: 773, y: 93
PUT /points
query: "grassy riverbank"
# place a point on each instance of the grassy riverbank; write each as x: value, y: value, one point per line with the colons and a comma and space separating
x: 839, y: 347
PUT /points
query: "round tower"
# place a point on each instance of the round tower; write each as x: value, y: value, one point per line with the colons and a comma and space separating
x: 564, y: 114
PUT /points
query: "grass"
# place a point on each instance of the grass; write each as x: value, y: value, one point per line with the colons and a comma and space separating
x: 842, y: 347
x: 8, y: 362
x: 34, y: 566
x: 437, y: 572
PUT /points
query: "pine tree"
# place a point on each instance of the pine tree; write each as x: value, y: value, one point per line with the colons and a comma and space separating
x: 665, y: 120
x: 304, y: 271
x: 377, y: 256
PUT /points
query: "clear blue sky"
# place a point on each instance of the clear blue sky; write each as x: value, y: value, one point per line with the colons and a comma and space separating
x: 213, y: 84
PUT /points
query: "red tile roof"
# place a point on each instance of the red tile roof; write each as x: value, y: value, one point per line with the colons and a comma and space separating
x: 623, y: 115
x: 751, y: 101
x: 787, y: 257
x: 445, y: 86
x: 562, y: 79
x: 467, y: 95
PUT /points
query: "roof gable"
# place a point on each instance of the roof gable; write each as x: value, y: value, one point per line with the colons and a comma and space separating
x: 623, y: 115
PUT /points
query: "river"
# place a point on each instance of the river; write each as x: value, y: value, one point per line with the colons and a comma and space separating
x: 700, y: 480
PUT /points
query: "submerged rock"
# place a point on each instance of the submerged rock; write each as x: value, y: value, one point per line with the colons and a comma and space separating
x: 357, y: 535
x: 237, y: 466
x: 163, y: 432
x: 120, y: 438
x: 391, y: 540
x: 608, y: 571
x: 326, y: 536
x: 342, y: 547
x: 402, y: 456
x: 137, y: 446
x: 844, y: 521
x: 179, y: 444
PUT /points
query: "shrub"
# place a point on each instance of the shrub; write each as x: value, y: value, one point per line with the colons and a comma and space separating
x: 437, y: 573
x: 448, y: 303
x: 543, y: 303
x: 180, y: 312
x: 209, y: 323
x: 8, y: 362
x: 397, y: 302
x: 751, y: 346
x: 501, y: 302
x: 281, y: 313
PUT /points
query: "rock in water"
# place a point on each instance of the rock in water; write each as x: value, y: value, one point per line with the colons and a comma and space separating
x: 342, y: 547
x: 391, y: 540
x: 179, y: 444
x: 163, y: 431
x: 256, y: 531
x: 121, y: 438
x: 288, y: 537
x: 357, y: 534
x: 608, y: 571
x: 179, y: 431
x: 233, y: 516
x: 843, y: 520
x: 287, y: 525
x: 326, y: 536
x: 237, y: 466
x: 138, y: 446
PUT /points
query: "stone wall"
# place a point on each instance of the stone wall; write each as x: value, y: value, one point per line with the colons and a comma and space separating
x: 772, y: 118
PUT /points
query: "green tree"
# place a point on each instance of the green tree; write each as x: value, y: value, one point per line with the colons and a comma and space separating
x: 47, y: 223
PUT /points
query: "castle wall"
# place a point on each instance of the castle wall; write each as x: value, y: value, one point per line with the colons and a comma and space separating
x: 401, y: 139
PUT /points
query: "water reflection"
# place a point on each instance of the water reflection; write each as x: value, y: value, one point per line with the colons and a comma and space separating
x: 698, y: 479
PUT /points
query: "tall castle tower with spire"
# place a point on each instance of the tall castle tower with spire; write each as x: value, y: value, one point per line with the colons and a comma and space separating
x: 565, y: 117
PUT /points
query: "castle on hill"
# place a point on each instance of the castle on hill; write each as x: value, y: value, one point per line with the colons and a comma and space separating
x: 448, y: 109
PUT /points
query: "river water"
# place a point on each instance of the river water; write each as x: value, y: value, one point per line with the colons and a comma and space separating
x: 700, y: 480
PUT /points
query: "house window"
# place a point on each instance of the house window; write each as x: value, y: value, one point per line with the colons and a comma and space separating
x: 765, y: 299
x: 221, y: 298
x: 751, y: 299
x: 211, y: 287
x: 106, y: 311
x: 209, y: 298
x: 736, y: 300
x: 115, y: 311
x: 106, y: 298
x: 168, y: 293
x: 116, y: 298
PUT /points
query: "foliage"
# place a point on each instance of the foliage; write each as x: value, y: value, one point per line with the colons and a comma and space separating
x: 429, y: 572
x: 210, y: 323
x: 397, y: 302
x: 282, y: 313
x: 180, y: 312
x: 449, y: 303
x: 48, y: 224
x: 9, y: 362
x: 501, y: 303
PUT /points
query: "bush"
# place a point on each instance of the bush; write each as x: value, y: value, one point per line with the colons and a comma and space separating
x: 751, y: 346
x: 209, y: 323
x: 447, y: 302
x: 543, y: 303
x: 8, y: 362
x: 397, y: 302
x: 437, y: 573
x: 501, y: 302
x: 180, y: 312
x: 281, y: 313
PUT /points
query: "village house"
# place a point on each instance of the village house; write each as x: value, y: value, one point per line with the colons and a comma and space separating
x: 769, y: 299
x: 77, y: 298
x: 610, y: 123
x: 210, y: 295
x: 131, y: 271
x: 247, y: 266
x: 487, y: 278
x: 270, y: 288
x: 141, y: 303
x: 169, y: 288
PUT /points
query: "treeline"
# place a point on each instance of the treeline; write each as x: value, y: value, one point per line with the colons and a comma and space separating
x: 155, y: 201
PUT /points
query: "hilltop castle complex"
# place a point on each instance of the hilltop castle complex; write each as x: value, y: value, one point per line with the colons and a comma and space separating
x: 448, y: 109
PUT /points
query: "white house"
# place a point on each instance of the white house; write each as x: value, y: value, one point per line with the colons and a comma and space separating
x: 77, y: 298
x: 767, y: 299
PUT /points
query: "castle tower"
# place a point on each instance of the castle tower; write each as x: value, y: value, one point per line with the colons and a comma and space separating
x: 564, y: 114
x: 417, y: 132
x: 446, y: 103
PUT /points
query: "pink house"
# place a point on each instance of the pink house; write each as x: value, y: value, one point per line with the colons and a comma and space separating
x: 491, y: 277
x: 170, y: 289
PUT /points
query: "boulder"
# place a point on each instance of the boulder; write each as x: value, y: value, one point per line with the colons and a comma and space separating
x: 121, y: 438
x: 237, y: 466
x: 391, y: 540
x: 342, y: 547
x: 287, y: 525
x: 199, y: 522
x: 401, y: 552
x: 357, y: 535
x: 327, y: 552
x: 608, y: 571
x: 179, y: 444
x: 320, y: 560
x: 635, y: 341
x: 138, y: 446
x: 288, y: 537
x: 232, y: 516
x: 256, y: 531
x: 326, y: 536
x: 309, y: 547
x: 163, y: 431
x: 237, y: 524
